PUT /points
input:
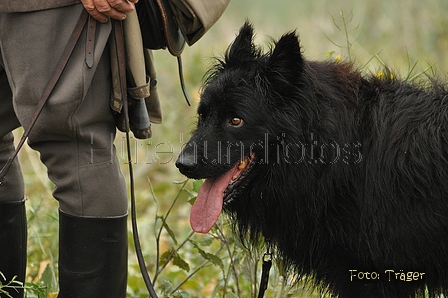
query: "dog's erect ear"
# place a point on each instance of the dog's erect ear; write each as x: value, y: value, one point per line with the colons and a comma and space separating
x: 286, y: 57
x: 242, y: 48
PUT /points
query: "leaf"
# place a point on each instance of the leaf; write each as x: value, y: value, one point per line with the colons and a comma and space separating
x: 208, y: 256
x: 191, y: 194
x: 167, y: 256
x: 191, y: 200
x: 215, y: 260
x: 197, y: 184
x: 180, y: 262
x: 36, y: 290
x: 181, y: 294
x: 166, y: 286
x: 170, y: 232
x: 47, y: 277
x: 206, y: 240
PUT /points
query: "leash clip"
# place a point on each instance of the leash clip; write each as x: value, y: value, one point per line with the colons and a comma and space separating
x: 267, y: 257
x: 266, y: 267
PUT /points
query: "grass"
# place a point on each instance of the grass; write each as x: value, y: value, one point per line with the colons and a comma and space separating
x: 184, y: 264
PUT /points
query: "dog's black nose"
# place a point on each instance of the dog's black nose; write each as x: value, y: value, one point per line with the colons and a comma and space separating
x: 186, y: 163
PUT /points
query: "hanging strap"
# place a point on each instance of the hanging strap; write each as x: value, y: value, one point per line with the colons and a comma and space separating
x: 266, y: 267
x: 182, y: 82
x: 48, y: 89
x: 121, y: 57
x: 118, y: 30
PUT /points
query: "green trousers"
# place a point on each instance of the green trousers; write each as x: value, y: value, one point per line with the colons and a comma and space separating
x: 74, y: 136
x: 75, y: 132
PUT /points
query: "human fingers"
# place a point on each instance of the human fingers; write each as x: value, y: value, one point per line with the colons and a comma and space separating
x: 101, y: 10
x: 89, y: 5
x: 122, y: 6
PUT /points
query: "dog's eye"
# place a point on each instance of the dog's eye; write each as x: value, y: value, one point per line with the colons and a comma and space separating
x: 235, y: 121
x: 200, y: 117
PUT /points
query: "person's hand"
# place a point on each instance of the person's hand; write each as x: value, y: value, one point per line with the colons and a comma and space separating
x: 101, y: 10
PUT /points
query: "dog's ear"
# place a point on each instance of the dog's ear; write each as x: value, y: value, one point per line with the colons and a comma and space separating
x: 286, y: 57
x: 242, y: 48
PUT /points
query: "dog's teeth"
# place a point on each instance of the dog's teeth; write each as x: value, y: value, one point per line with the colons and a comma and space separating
x: 234, y: 177
x: 243, y: 164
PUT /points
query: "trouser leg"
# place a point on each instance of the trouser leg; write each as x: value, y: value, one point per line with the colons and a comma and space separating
x: 13, y: 187
x: 74, y: 135
x: 13, y: 228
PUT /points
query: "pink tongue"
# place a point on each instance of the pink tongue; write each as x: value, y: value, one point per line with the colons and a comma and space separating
x: 208, y: 204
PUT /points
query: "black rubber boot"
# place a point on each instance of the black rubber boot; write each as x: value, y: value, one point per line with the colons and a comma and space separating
x: 93, y: 256
x: 13, y: 233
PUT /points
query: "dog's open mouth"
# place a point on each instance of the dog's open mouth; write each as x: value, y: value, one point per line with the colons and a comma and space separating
x: 215, y: 192
x: 244, y: 166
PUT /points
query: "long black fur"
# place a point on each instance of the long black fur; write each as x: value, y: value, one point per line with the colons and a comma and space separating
x: 351, y: 171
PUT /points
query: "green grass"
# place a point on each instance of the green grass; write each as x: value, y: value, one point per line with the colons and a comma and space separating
x: 409, y: 36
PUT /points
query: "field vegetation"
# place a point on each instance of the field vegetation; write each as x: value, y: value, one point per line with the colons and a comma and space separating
x: 410, y: 36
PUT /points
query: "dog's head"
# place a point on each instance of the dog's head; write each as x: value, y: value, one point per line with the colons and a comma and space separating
x: 240, y: 122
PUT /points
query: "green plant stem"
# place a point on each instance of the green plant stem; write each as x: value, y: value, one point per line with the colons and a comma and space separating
x: 159, y: 233
x: 189, y: 276
x: 159, y: 270
x: 349, y: 45
x: 232, y: 264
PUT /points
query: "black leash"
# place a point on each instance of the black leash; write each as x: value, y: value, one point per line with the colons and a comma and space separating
x: 118, y: 29
x: 120, y: 49
x: 182, y: 82
x: 266, y: 267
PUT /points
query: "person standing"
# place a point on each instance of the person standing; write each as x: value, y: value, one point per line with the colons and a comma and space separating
x: 74, y: 135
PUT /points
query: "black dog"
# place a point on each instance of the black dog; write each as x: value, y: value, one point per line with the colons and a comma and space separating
x: 345, y: 174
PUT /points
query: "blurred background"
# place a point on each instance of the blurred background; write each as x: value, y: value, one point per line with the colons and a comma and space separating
x: 410, y: 36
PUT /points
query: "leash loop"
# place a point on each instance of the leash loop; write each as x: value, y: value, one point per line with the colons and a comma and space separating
x: 120, y: 49
x: 182, y: 81
x: 118, y: 29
